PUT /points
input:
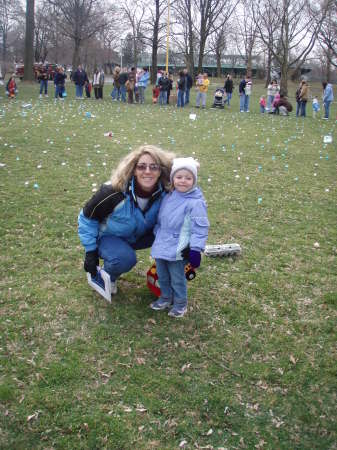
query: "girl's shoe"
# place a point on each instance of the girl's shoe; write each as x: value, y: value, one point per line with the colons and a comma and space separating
x: 160, y: 304
x: 175, y: 312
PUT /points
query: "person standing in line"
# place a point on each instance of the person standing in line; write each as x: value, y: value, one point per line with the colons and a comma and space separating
x: 303, y: 97
x: 130, y: 84
x: 11, y: 89
x: 164, y: 84
x: 43, y: 79
x: 180, y: 236
x: 123, y: 78
x: 170, y: 77
x: 262, y: 104
x: 327, y: 98
x: 59, y: 82
x: 272, y: 89
x: 189, y: 84
x: 202, y: 87
x: 79, y: 78
x: 181, y: 86
x: 98, y: 83
x: 143, y: 81
x: 228, y: 87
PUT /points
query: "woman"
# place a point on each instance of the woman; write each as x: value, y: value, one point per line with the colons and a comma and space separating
x: 98, y: 83
x: 272, y: 89
x: 228, y: 87
x: 302, y: 95
x: 120, y: 217
x: 59, y: 82
x: 327, y: 98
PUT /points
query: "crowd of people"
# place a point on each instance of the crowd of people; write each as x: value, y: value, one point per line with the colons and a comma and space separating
x: 130, y: 86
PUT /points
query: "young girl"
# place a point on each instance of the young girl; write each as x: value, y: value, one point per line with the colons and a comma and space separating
x: 11, y: 87
x: 315, y: 107
x: 180, y: 236
x: 262, y: 104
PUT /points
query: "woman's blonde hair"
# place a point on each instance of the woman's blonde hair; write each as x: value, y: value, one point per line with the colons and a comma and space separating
x: 125, y: 169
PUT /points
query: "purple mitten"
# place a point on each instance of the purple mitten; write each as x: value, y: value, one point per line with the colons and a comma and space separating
x: 194, y: 258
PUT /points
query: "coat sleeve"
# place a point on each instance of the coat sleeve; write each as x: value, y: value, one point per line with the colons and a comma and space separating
x: 95, y: 211
x: 199, y: 226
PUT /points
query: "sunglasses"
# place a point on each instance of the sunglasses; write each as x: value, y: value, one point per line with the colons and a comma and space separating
x: 152, y: 167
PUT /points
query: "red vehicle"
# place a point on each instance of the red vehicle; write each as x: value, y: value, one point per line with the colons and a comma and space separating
x: 37, y: 68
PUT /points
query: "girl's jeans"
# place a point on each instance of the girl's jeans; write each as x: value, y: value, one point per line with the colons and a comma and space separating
x: 181, y: 98
x: 262, y: 109
x: 118, y: 255
x: 327, y: 108
x: 163, y: 98
x: 173, y: 285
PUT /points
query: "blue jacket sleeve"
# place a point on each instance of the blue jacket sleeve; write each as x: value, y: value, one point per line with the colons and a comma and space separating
x: 88, y: 232
x: 199, y: 226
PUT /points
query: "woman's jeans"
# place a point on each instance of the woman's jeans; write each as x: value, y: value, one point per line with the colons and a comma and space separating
x: 300, y: 108
x: 141, y: 91
x: 229, y: 97
x: 181, y: 98
x: 44, y: 86
x: 270, y: 100
x: 116, y: 93
x: 173, y: 285
x: 59, y: 91
x: 201, y: 97
x: 118, y: 255
x: 327, y: 104
x: 79, y: 91
x: 244, y: 103
x: 187, y: 96
x: 163, y: 98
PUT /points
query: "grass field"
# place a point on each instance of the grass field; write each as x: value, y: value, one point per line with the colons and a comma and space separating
x: 253, y: 363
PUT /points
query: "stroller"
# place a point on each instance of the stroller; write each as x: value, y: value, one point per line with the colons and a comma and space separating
x: 219, y: 98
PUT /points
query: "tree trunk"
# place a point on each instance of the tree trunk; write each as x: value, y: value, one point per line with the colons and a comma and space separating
x: 155, y: 46
x: 284, y: 78
x: 76, y: 54
x: 190, y: 55
x: 29, y: 41
x: 268, y: 68
x: 218, y: 63
x: 328, y: 66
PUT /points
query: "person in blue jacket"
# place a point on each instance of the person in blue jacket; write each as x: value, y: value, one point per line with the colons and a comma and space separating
x: 327, y: 98
x: 180, y: 236
x: 143, y: 81
x: 120, y: 216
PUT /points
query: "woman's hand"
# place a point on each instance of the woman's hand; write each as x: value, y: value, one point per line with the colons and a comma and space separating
x: 91, y: 262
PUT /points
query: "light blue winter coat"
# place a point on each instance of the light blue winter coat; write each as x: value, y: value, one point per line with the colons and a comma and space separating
x: 328, y: 93
x: 182, y: 221
x: 144, y: 80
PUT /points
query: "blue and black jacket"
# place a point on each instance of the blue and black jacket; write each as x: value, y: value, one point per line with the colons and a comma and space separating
x: 117, y: 213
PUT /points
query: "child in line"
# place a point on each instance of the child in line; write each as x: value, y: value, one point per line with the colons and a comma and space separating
x: 262, y: 104
x: 155, y: 94
x: 88, y: 88
x: 202, y: 88
x: 180, y: 236
x: 11, y: 89
x: 315, y: 107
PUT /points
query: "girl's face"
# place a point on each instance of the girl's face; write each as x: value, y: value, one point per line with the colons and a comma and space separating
x: 183, y: 180
x: 147, y: 172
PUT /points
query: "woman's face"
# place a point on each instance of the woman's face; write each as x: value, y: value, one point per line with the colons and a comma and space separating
x: 147, y: 172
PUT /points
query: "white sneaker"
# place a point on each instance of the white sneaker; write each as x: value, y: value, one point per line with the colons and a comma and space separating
x: 113, y: 287
x: 40, y: 95
x: 46, y: 95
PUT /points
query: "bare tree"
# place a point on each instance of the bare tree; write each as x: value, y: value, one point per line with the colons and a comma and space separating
x: 246, y: 33
x: 134, y: 13
x: 80, y: 20
x: 296, y: 34
x: 217, y: 46
x: 185, y: 36
x: 29, y: 41
x: 213, y: 14
x: 327, y: 36
x: 10, y: 13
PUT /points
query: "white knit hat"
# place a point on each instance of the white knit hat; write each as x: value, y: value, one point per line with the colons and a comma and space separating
x: 189, y: 164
